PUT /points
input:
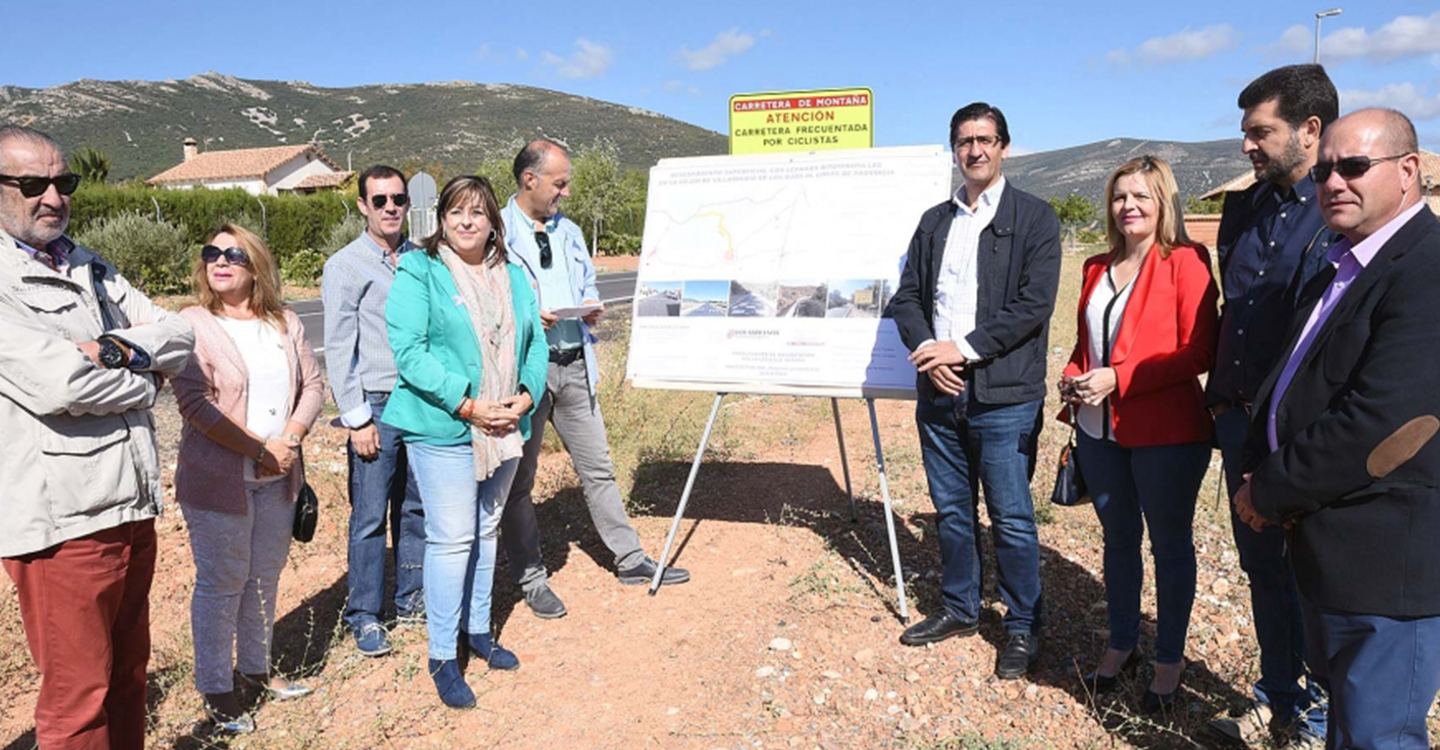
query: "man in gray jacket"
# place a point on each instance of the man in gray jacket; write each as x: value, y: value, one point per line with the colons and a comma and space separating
x: 82, y: 356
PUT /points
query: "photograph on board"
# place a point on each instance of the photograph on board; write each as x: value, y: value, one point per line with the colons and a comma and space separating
x: 705, y: 299
x: 658, y: 299
x: 801, y: 299
x: 855, y: 298
x: 755, y: 299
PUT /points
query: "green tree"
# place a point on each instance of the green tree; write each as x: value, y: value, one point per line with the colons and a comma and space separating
x: 1194, y: 205
x: 497, y: 167
x: 600, y: 192
x: 91, y: 165
x: 1074, y: 211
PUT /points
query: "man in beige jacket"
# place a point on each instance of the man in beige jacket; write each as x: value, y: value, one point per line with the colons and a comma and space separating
x: 82, y: 356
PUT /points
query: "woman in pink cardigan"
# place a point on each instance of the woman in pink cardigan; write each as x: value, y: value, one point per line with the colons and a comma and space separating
x: 248, y: 396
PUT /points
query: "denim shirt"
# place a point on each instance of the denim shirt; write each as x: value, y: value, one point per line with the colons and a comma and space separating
x: 1264, y: 236
x: 567, y: 245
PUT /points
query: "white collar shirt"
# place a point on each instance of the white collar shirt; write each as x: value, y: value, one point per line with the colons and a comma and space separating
x: 957, y: 291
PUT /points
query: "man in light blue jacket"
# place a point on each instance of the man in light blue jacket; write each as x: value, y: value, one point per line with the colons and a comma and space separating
x: 551, y: 249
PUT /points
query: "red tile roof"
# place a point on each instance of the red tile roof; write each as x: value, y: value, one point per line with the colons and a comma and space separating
x: 235, y: 164
x: 318, y: 181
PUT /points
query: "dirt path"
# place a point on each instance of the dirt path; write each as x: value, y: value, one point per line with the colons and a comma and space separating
x: 786, y: 637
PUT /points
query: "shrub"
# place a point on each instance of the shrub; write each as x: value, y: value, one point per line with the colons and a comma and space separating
x: 620, y: 244
x: 291, y: 222
x: 152, y: 255
x: 302, y: 268
x: 341, y: 233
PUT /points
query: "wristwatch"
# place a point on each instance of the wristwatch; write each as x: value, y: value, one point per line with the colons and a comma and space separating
x: 112, y: 355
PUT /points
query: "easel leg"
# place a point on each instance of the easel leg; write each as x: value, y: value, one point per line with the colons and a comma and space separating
x: 889, y: 516
x: 844, y: 460
x: 685, y: 496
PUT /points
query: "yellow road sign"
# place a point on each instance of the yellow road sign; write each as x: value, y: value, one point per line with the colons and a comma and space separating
x: 801, y: 121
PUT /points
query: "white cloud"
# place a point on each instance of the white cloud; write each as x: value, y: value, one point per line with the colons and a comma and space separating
x: 589, y: 60
x: 693, y: 90
x: 727, y: 44
x: 482, y: 52
x: 521, y: 54
x: 1406, y: 36
x: 1179, y: 47
x: 1296, y: 40
x: 1403, y: 37
x: 1402, y: 96
x: 672, y: 86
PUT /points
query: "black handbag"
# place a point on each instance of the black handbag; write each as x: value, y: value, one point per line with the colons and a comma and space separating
x: 307, y: 513
x: 1070, y: 488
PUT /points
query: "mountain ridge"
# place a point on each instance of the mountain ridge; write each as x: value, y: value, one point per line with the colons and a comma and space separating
x: 140, y: 125
x: 457, y: 124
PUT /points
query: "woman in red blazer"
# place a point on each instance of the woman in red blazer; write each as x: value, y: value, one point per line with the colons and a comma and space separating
x: 1147, y: 326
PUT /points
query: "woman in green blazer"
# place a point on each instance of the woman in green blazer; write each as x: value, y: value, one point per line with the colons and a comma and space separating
x: 472, y: 359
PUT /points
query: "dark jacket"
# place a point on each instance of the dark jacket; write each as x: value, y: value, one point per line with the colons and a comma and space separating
x: 1358, y: 470
x: 1262, y: 281
x: 1019, y: 272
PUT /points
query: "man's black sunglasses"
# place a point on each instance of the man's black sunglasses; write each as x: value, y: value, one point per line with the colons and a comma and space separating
x: 543, y: 240
x: 33, y: 187
x: 1349, y: 167
x: 234, y: 255
x: 400, y: 199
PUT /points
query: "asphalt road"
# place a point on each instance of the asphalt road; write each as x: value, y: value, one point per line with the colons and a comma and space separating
x: 614, y: 288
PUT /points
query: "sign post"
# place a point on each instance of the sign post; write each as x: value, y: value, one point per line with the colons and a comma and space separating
x: 787, y: 121
x: 769, y: 273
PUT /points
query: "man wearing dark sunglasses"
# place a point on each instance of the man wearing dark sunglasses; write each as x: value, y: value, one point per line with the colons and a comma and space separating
x: 1342, y: 452
x: 1272, y: 239
x: 361, y: 371
x: 551, y: 249
x: 82, y: 357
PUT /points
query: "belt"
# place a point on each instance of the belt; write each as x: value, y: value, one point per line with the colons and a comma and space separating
x: 566, y: 357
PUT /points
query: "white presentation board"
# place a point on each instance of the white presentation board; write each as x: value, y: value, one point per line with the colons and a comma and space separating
x: 767, y: 273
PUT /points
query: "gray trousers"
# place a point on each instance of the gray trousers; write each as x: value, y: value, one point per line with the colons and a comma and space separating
x: 567, y: 403
x: 238, y: 560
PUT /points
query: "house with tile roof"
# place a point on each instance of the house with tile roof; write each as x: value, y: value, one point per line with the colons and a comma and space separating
x: 1429, y: 181
x: 258, y: 171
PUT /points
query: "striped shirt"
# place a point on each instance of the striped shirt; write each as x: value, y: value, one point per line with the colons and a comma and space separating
x: 358, y: 359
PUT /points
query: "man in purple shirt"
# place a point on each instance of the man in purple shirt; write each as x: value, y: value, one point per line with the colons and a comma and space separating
x: 1341, y: 452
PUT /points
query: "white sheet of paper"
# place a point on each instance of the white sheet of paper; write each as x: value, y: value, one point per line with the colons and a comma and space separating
x: 576, y: 312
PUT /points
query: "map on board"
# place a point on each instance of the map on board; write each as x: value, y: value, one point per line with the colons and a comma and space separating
x: 771, y: 271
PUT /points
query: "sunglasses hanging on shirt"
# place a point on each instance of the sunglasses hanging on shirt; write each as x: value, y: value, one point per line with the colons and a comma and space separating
x: 34, y: 187
x: 546, y: 257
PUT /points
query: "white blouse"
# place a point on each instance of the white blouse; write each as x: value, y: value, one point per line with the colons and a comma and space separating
x: 1093, y: 419
x: 262, y: 347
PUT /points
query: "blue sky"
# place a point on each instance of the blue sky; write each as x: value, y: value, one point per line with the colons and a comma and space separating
x: 1064, y: 73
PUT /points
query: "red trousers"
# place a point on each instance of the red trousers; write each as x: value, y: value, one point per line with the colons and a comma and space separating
x: 86, y: 608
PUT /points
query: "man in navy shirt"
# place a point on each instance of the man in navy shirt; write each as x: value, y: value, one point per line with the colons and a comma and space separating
x: 1272, y: 240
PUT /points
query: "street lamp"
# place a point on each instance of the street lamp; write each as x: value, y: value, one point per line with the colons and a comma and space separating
x: 1318, y: 16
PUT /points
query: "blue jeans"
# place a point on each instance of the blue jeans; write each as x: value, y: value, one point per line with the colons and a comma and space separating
x: 1137, y: 488
x: 1274, y: 600
x: 999, y: 441
x: 383, y: 489
x: 462, y: 524
x: 1381, y: 673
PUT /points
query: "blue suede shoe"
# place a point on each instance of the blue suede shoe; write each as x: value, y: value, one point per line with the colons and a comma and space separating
x: 495, y: 655
x: 450, y: 683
